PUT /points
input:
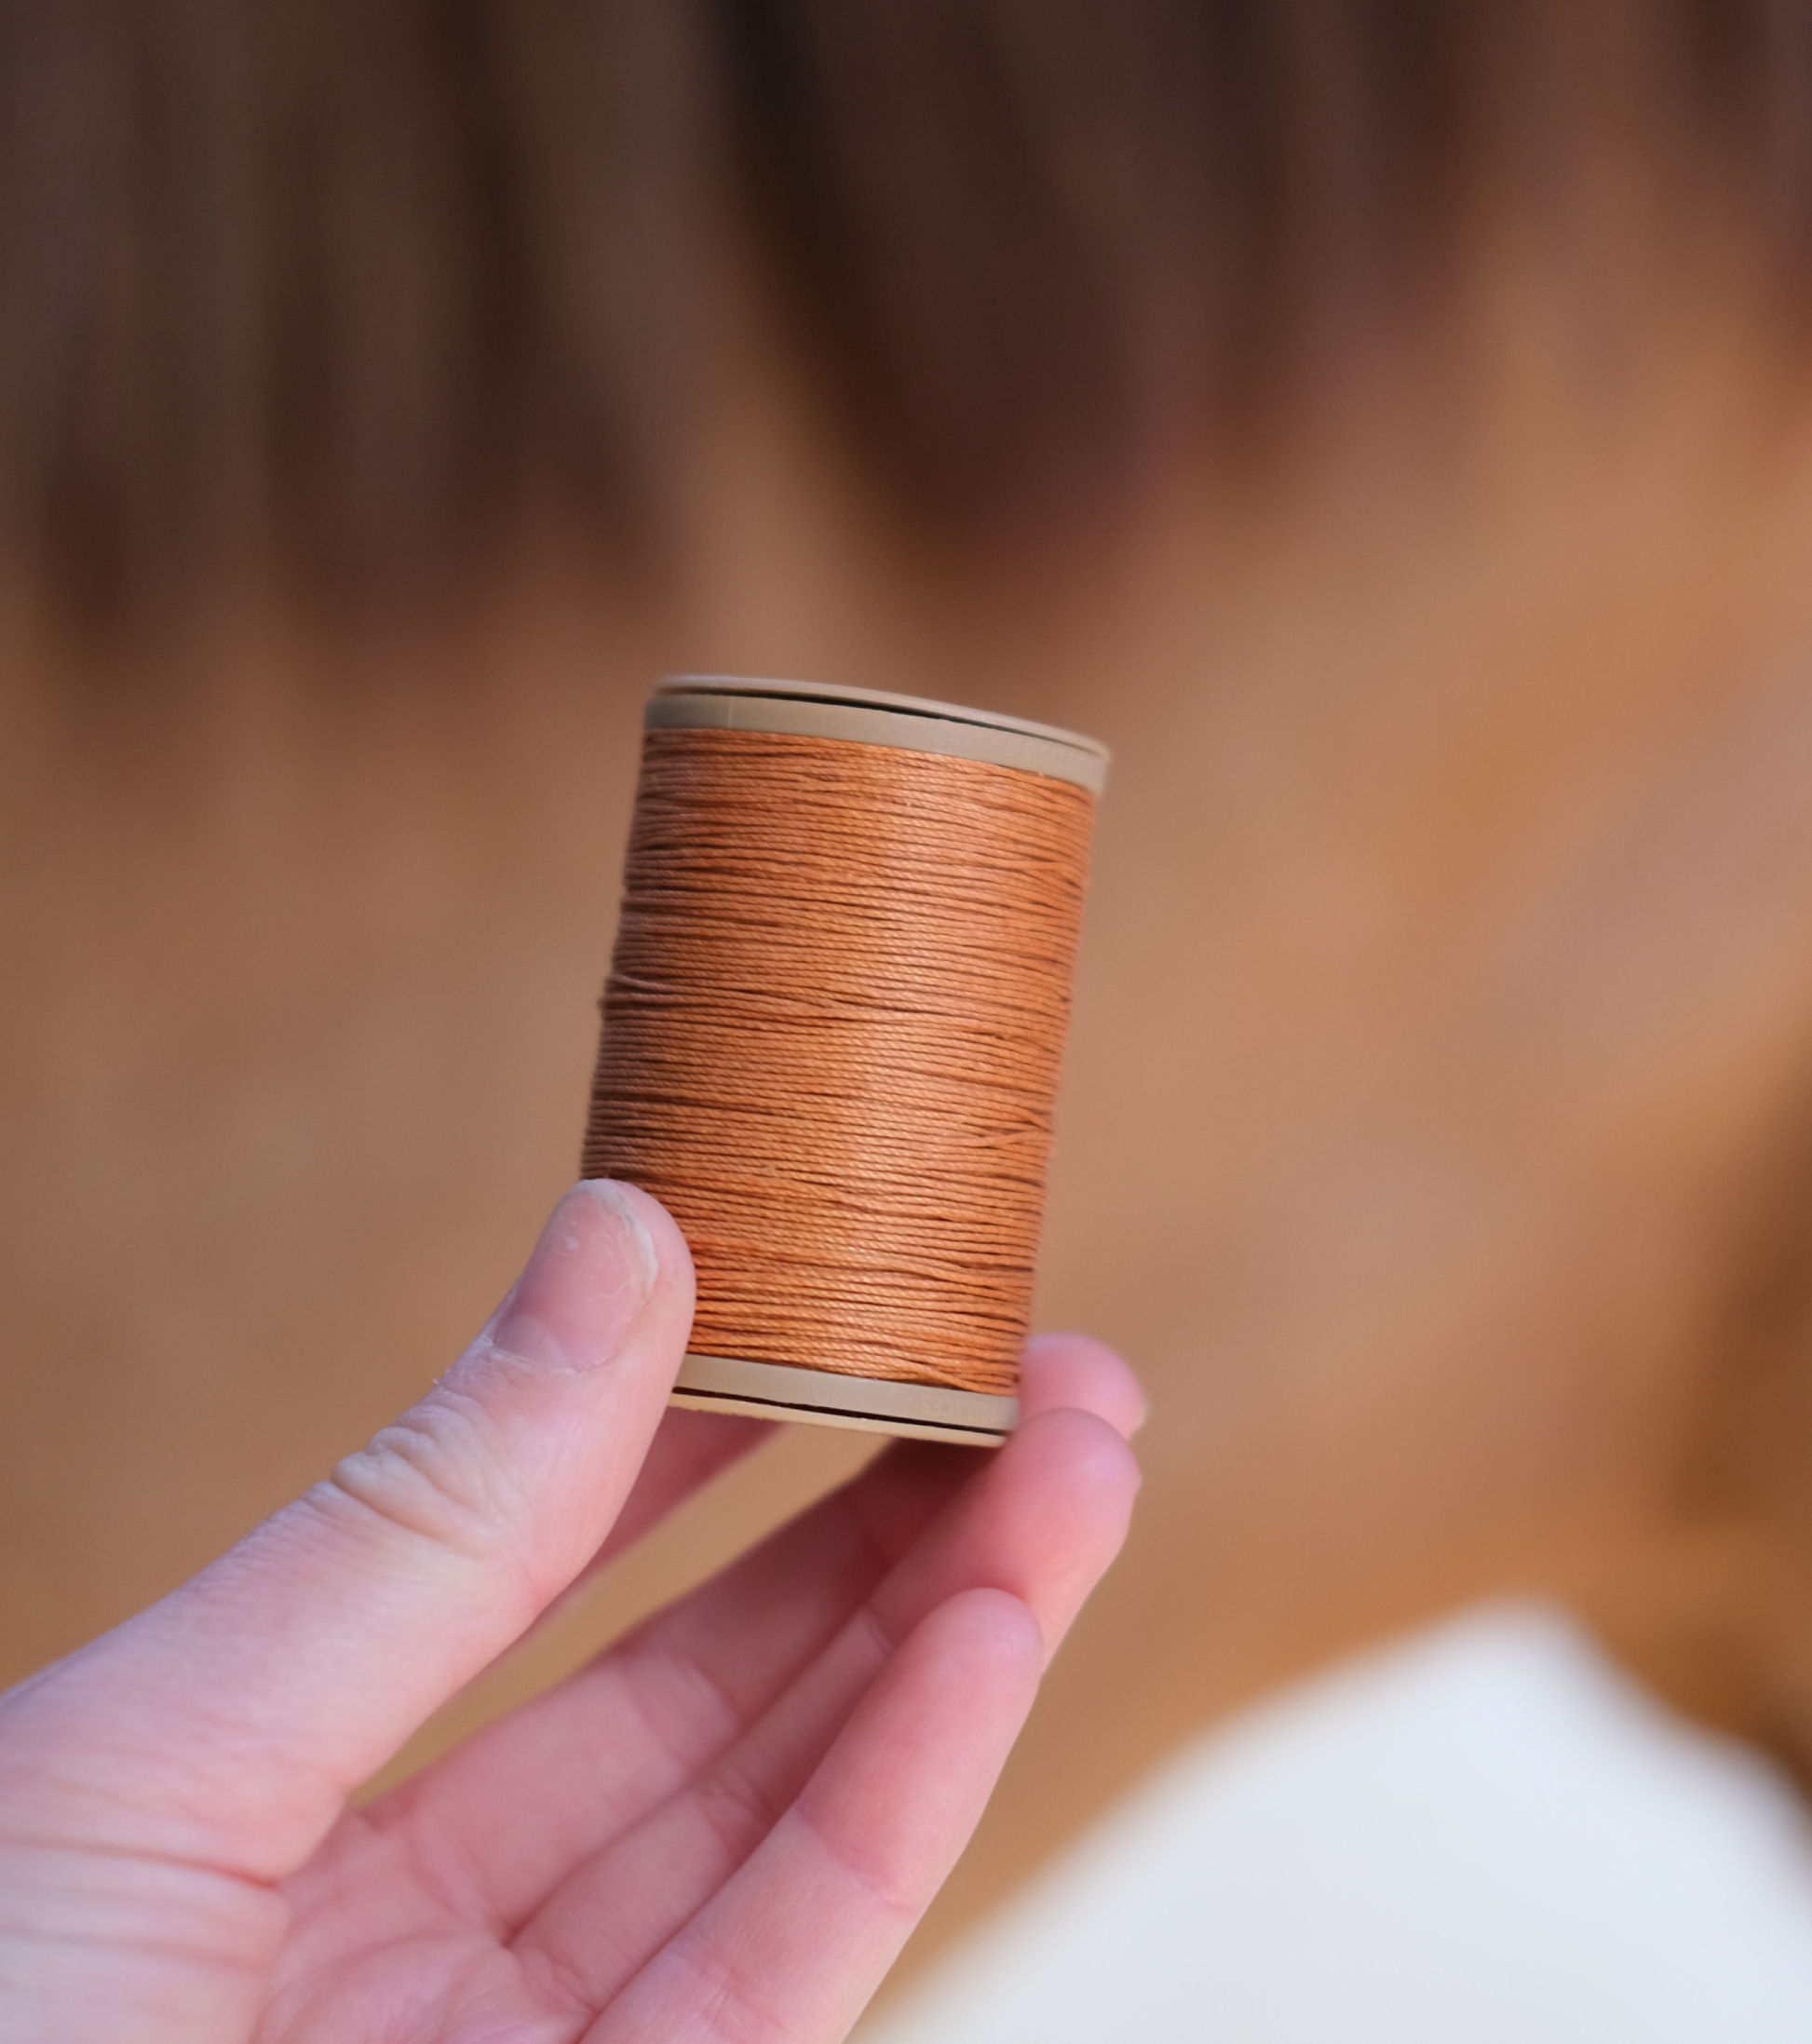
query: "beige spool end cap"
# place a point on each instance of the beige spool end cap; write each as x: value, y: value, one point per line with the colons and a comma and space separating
x: 827, y: 1398
x: 873, y: 717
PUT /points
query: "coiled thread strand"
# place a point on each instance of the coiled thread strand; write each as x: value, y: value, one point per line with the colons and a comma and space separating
x: 832, y: 1035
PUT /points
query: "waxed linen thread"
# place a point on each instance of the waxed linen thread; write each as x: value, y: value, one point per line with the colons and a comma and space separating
x: 831, y: 1034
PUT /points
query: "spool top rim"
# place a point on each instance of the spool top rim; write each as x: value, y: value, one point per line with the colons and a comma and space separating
x: 880, y: 698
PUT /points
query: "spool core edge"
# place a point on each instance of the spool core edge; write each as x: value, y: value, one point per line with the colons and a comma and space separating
x: 826, y: 1397
x: 874, y: 698
x: 872, y: 717
x: 895, y: 1429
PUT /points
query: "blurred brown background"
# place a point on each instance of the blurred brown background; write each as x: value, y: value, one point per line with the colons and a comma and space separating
x: 1431, y: 1132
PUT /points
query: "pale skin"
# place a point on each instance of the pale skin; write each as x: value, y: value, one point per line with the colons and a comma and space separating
x: 725, y: 1827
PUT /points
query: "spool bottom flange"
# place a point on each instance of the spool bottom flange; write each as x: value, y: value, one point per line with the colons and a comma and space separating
x: 823, y: 1398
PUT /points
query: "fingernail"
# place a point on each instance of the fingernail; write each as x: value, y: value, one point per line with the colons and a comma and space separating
x: 589, y: 1277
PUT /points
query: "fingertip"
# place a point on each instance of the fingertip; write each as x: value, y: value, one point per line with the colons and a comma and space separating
x: 992, y: 1625
x: 667, y: 1248
x: 974, y: 1663
x: 1094, y: 1460
x: 1076, y: 1371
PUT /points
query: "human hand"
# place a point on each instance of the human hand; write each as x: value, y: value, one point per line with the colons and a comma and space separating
x: 725, y: 1827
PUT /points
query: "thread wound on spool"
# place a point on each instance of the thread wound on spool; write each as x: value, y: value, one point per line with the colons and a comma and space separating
x: 831, y: 1034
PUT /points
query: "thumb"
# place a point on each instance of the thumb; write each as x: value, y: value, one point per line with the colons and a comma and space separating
x: 229, y: 1722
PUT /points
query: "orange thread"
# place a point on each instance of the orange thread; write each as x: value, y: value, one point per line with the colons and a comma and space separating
x: 830, y: 1043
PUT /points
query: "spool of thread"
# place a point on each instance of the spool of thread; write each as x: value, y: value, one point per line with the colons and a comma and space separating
x: 831, y: 1034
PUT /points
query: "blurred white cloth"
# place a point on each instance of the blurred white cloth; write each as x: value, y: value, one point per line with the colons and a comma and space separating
x: 1481, y: 1834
